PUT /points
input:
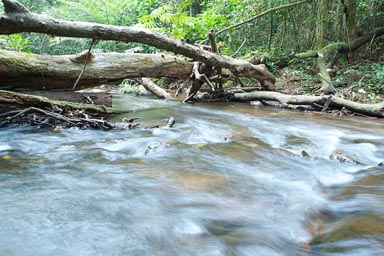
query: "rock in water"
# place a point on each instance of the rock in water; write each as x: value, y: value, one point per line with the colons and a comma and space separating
x: 171, y: 122
x: 339, y: 156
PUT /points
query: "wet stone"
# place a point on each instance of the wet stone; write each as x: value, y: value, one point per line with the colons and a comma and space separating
x: 342, y: 158
x: 355, y: 227
x: 223, y: 227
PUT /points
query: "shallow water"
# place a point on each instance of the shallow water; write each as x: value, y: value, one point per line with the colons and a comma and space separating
x: 227, y: 179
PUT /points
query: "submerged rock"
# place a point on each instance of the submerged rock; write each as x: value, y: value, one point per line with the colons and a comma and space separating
x: 371, y: 180
x: 224, y: 227
x: 355, y: 227
x: 213, y: 182
x: 367, y: 185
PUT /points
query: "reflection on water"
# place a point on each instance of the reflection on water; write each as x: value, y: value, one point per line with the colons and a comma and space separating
x: 228, y: 179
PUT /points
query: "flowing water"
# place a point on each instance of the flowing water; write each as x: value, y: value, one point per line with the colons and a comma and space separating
x: 227, y: 179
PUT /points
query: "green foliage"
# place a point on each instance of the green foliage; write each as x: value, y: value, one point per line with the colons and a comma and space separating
x: 371, y: 76
x: 378, y: 70
x: 174, y: 21
x: 364, y: 80
x: 165, y: 19
x: 15, y: 42
x: 280, y: 32
x: 191, y: 19
x: 113, y: 12
x: 40, y: 5
x: 373, y: 97
x: 128, y: 87
x: 375, y: 75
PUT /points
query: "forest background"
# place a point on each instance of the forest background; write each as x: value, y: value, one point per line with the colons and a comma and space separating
x: 274, y: 38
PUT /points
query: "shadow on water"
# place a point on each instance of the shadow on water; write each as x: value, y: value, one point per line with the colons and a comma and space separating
x: 227, y: 179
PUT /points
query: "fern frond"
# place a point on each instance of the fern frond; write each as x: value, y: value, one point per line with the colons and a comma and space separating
x: 157, y: 13
x: 166, y: 18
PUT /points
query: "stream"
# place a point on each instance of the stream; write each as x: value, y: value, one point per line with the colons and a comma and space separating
x: 227, y: 179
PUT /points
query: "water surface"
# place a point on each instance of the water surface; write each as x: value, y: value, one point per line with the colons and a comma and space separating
x: 227, y: 179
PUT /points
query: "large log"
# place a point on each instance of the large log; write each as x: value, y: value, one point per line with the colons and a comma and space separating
x: 18, y: 19
x: 32, y: 71
x: 376, y: 110
x: 14, y: 100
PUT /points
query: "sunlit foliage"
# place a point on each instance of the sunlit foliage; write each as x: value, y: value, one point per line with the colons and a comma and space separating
x: 280, y: 33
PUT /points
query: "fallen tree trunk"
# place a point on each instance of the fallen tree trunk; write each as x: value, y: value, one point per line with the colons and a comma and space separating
x: 18, y: 19
x: 32, y: 71
x: 14, y: 100
x: 376, y: 110
x: 100, y: 98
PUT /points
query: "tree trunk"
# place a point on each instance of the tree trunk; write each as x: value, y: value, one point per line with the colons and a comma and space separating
x: 14, y: 100
x: 324, y: 102
x: 32, y: 71
x: 326, y: 83
x: 351, y: 12
x: 18, y: 19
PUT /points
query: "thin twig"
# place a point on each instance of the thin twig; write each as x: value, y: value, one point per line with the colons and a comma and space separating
x: 94, y: 41
x: 9, y: 113
x: 238, y: 49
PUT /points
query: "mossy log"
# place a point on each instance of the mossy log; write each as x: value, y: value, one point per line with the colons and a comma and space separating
x: 326, y: 81
x: 325, y: 102
x: 32, y: 71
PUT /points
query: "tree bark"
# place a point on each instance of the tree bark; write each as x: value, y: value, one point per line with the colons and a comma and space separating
x: 18, y: 19
x: 326, y: 81
x: 376, y: 110
x: 32, y: 71
x: 94, y: 98
x: 153, y: 88
x: 351, y: 19
x: 14, y: 100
